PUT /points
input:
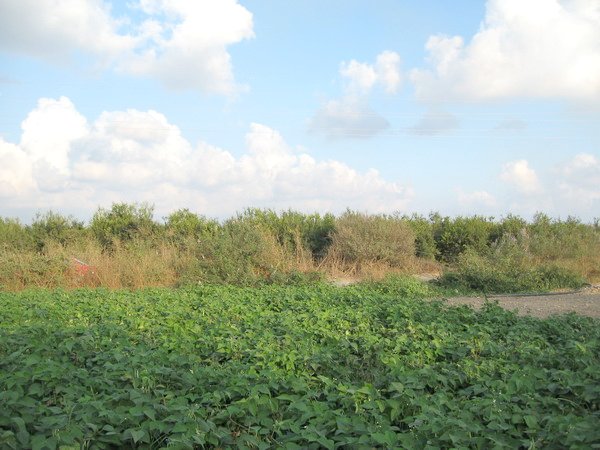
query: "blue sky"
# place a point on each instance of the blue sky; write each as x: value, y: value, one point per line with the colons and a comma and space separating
x: 464, y: 107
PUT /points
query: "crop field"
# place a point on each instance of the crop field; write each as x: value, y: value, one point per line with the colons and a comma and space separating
x: 372, y: 365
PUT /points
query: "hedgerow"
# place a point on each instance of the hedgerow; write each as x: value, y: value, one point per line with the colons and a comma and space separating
x: 129, y: 248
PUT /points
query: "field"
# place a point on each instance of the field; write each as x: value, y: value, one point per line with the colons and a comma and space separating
x: 307, y: 366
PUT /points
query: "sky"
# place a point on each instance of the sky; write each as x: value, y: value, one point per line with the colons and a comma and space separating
x: 463, y: 107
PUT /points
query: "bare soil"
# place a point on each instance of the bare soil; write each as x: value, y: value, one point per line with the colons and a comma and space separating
x: 585, y: 302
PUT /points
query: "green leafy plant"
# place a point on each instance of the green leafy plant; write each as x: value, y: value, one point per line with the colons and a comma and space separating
x: 307, y: 366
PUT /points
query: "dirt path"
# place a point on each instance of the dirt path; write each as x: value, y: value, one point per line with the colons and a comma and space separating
x: 586, y: 303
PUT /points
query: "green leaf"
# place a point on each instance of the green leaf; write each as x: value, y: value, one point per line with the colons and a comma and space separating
x: 150, y: 413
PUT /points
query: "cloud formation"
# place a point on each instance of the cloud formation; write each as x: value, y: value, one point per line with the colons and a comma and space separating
x: 351, y: 116
x: 521, y: 177
x: 580, y: 183
x: 362, y: 77
x: 537, y: 48
x: 63, y: 160
x: 181, y: 43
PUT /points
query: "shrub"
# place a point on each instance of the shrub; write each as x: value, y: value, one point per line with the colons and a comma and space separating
x: 361, y: 239
x: 505, y: 270
x: 455, y: 236
x: 123, y: 222
x: 54, y: 227
x: 423, y: 230
x: 15, y: 236
x: 294, y: 230
x: 184, y: 227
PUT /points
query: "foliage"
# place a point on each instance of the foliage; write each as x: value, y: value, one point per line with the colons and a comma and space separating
x: 454, y: 236
x: 184, y: 227
x: 294, y: 230
x: 424, y: 240
x: 122, y: 222
x: 51, y: 226
x: 361, y: 238
x: 290, y: 367
x: 261, y: 245
x: 505, y: 271
x: 14, y: 236
x: 402, y: 286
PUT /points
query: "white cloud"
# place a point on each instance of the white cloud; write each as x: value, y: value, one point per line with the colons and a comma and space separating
x: 537, y: 48
x: 435, y: 122
x: 16, y: 177
x: 181, y: 43
x: 48, y: 132
x: 362, y: 77
x: 139, y: 156
x: 185, y: 43
x: 55, y: 29
x: 388, y: 72
x: 351, y: 116
x: 476, y: 199
x: 520, y: 176
x: 580, y: 183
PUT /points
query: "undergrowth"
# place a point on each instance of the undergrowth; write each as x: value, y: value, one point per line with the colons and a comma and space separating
x: 124, y: 246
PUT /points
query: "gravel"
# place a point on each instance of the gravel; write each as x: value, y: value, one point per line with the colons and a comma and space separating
x: 585, y: 302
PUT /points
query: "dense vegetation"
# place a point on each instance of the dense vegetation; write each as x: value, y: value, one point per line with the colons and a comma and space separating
x: 291, y: 367
x: 127, y: 247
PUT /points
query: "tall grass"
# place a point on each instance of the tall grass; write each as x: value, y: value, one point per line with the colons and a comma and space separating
x: 370, y: 245
x: 125, y: 247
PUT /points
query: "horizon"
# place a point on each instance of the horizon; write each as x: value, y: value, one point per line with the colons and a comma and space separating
x: 485, y: 108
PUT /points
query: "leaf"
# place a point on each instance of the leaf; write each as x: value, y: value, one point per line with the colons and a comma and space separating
x: 531, y: 421
x: 22, y: 434
x: 150, y: 413
x: 137, y: 435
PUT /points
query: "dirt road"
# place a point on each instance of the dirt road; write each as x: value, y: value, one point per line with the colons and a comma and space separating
x: 586, y: 302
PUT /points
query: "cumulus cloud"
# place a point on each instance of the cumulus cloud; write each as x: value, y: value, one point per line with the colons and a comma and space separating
x: 362, y: 77
x: 351, y: 116
x: 580, y: 180
x: 521, y: 177
x: 184, y: 43
x: 538, y: 48
x: 181, y: 43
x: 139, y: 156
x: 55, y: 29
x: 434, y: 122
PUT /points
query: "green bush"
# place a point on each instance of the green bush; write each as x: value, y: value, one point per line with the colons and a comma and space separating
x: 123, y: 222
x: 293, y: 229
x: 51, y: 226
x: 454, y: 236
x: 183, y: 227
x: 15, y: 236
x: 506, y: 270
x: 424, y: 241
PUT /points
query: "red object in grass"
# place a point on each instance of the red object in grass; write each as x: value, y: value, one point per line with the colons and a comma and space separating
x: 82, y: 268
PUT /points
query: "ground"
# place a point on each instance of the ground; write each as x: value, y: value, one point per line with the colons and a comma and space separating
x: 585, y: 302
